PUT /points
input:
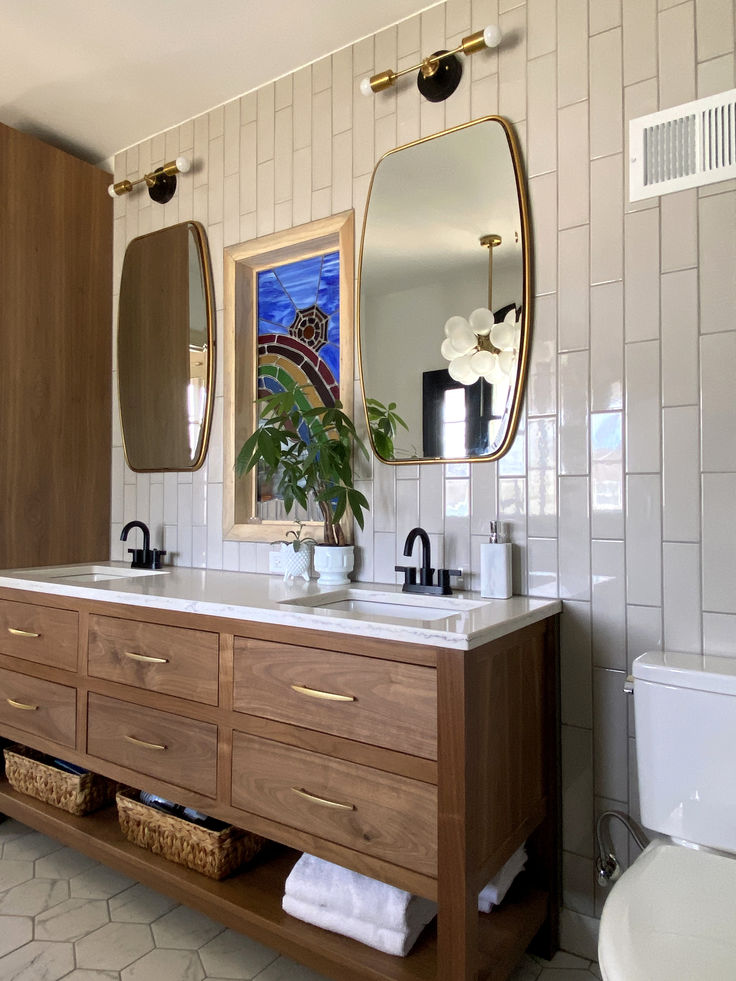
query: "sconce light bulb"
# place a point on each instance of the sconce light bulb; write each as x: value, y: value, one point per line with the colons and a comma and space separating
x: 492, y: 36
x: 183, y: 165
x: 111, y: 190
x: 365, y: 87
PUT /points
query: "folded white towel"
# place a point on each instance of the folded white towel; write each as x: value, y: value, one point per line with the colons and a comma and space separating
x: 331, y: 887
x: 396, y: 942
x: 492, y: 894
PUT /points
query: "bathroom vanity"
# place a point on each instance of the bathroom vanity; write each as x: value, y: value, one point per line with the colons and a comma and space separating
x: 411, y: 739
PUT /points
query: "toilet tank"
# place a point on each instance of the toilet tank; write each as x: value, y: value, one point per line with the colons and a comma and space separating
x: 685, y: 709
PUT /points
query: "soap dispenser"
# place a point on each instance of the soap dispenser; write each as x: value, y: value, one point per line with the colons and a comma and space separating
x: 495, y: 566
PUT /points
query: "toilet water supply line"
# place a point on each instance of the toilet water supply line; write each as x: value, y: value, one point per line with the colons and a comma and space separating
x: 606, y: 864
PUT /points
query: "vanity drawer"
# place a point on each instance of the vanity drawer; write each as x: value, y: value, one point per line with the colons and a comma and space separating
x: 159, y: 744
x: 384, y: 703
x: 39, y: 633
x: 171, y: 660
x: 381, y: 814
x: 41, y: 708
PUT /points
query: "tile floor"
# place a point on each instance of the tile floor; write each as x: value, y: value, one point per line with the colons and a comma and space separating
x: 63, y: 915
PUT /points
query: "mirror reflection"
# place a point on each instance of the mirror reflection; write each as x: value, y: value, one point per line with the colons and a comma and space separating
x: 166, y: 349
x: 444, y: 293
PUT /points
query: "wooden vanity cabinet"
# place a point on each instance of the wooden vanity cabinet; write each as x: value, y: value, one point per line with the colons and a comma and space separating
x: 422, y: 766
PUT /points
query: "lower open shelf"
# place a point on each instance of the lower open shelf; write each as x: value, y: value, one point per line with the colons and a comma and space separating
x: 250, y: 902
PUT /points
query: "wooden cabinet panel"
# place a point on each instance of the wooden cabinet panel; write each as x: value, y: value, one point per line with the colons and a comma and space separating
x: 39, y: 633
x: 379, y: 813
x: 173, y: 660
x: 179, y: 750
x: 40, y: 708
x: 385, y: 703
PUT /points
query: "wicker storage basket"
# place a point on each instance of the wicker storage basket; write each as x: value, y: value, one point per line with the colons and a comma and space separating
x: 216, y: 854
x: 33, y: 773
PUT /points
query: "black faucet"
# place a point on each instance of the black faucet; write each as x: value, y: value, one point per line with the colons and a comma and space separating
x: 146, y: 557
x: 426, y: 582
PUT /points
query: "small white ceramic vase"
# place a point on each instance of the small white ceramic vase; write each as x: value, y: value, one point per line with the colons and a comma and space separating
x: 333, y: 563
x: 296, y: 563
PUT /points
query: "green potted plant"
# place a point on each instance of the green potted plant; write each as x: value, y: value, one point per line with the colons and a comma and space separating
x: 308, y: 452
x: 296, y: 553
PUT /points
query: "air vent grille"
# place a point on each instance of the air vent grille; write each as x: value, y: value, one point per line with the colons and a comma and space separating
x: 685, y: 146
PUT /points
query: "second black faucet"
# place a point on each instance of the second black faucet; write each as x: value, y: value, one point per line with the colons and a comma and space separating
x: 426, y: 582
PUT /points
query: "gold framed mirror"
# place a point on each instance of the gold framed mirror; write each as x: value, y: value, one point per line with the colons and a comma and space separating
x: 444, y: 293
x: 166, y: 357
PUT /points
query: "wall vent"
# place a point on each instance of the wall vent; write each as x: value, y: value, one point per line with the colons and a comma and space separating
x: 685, y: 146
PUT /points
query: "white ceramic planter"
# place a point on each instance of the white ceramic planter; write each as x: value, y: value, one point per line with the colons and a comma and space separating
x: 333, y: 563
x: 296, y: 563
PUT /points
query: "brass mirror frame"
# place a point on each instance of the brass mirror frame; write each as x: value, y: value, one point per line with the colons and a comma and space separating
x: 527, y: 311
x: 242, y: 263
x: 205, y: 262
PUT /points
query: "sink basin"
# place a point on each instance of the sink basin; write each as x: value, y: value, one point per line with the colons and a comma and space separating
x: 90, y: 573
x: 377, y: 603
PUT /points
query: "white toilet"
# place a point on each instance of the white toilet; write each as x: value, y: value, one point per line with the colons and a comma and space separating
x: 672, y: 915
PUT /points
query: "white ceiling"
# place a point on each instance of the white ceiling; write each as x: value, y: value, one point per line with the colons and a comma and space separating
x: 94, y: 77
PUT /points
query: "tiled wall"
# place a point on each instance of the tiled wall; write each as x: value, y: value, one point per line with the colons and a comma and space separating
x: 620, y: 490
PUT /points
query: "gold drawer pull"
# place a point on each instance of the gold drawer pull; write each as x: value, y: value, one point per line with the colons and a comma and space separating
x: 316, y: 693
x: 142, y: 742
x: 323, y: 800
x: 21, y: 705
x: 21, y: 633
x: 146, y: 657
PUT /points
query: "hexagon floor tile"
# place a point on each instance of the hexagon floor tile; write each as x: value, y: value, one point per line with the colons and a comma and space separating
x: 65, y: 916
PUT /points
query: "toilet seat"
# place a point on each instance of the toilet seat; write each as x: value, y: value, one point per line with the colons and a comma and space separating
x: 671, y: 917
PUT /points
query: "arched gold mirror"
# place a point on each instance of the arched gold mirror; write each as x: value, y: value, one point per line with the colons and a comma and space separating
x: 444, y: 313
x: 166, y: 360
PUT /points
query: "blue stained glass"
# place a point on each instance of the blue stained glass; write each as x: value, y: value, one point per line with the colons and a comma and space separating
x: 333, y: 329
x: 266, y: 327
x: 300, y: 280
x: 328, y: 296
x: 330, y: 354
x: 273, y: 303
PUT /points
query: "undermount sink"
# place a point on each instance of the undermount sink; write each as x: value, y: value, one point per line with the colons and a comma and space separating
x: 377, y: 603
x: 90, y: 573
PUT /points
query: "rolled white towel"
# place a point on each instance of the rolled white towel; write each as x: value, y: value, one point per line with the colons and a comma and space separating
x: 492, y: 894
x: 331, y: 887
x: 396, y: 942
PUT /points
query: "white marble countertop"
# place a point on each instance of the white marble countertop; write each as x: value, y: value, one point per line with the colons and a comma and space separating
x: 462, y: 621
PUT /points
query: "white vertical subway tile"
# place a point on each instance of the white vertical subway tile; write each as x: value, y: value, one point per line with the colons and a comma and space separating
x: 321, y: 75
x: 457, y: 17
x: 679, y: 230
x: 610, y: 731
x: 641, y: 272
x: 483, y: 503
x: 607, y: 475
x: 542, y: 476
x: 248, y: 168
x: 643, y: 540
x: 579, y: 933
x: 719, y: 634
x: 682, y: 627
x: 321, y: 139
x: 248, y: 108
x: 541, y: 28
x: 717, y: 262
x: 608, y: 605
x: 640, y: 99
x: 676, y: 47
x: 363, y: 60
x: 542, y: 566
x: 714, y: 21
x: 577, y: 884
x: 643, y: 438
x: 643, y: 631
x: 384, y: 499
x: 384, y: 558
x: 512, y: 514
x: 576, y: 666
x: 574, y: 291
x: 458, y: 108
x: 606, y: 94
x: 719, y: 542
x: 604, y: 14
x: 431, y: 497
x: 640, y: 40
x: 680, y: 338
x: 284, y: 155
x: 342, y: 90
x: 284, y: 91
x: 718, y: 370
x: 541, y: 392
x: 573, y: 172
x: 574, y: 538
x: 606, y: 223
x: 512, y: 65
x: 606, y: 347
x: 577, y: 790
x: 385, y: 134
x: 574, y: 413
x: 217, y: 127
x: 303, y: 108
x: 302, y: 190
x: 386, y: 57
x: 214, y: 526
x: 543, y: 202
x: 265, y: 123
x: 513, y: 463
x: 342, y: 183
x: 231, y: 210
x: 681, y: 473
x: 407, y: 505
x: 716, y: 76
x: 265, y: 194
x: 572, y: 51
x: 363, y: 130
x: 542, y: 114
